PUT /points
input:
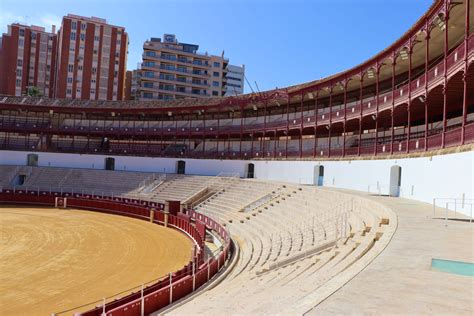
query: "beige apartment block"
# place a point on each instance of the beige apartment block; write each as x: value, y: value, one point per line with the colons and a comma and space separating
x: 173, y: 70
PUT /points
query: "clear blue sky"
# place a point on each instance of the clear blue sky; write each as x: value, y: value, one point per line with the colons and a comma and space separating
x: 281, y: 42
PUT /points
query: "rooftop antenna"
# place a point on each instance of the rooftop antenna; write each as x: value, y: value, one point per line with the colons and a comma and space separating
x: 249, y: 83
x: 256, y: 85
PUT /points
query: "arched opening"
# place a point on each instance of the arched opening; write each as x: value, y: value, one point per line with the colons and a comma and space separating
x: 318, y: 177
x: 395, y: 180
x: 109, y: 163
x: 250, y: 171
x: 32, y: 160
x: 181, y: 167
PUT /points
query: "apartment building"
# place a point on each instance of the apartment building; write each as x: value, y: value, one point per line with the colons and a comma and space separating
x: 132, y: 84
x: 173, y: 70
x: 27, y: 59
x: 92, y: 58
x: 235, y: 80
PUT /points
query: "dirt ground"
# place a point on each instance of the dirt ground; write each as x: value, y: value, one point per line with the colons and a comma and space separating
x: 53, y: 260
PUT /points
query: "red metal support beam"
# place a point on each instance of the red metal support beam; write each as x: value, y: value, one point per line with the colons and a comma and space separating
x: 345, y: 119
x: 466, y: 51
x: 287, y: 126
x: 330, y: 120
x: 361, y: 94
x: 377, y: 79
x: 445, y: 88
x: 315, y: 148
x: 427, y: 63
x: 392, y: 132
x: 301, y: 125
x: 410, y: 53
x: 242, y: 117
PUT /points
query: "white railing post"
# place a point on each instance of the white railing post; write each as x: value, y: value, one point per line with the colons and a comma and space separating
x: 463, y: 199
x: 446, y: 218
x: 103, y: 307
x: 434, y: 208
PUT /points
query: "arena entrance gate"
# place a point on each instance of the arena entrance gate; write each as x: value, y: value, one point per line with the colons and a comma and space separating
x: 109, y: 163
x: 395, y: 180
x: 181, y: 167
x: 250, y: 171
x: 32, y: 160
x: 318, y: 176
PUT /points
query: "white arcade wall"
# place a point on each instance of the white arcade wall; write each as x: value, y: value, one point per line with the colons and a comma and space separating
x: 422, y: 178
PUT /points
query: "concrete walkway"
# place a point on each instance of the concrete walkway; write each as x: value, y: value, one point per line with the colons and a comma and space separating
x: 400, y: 279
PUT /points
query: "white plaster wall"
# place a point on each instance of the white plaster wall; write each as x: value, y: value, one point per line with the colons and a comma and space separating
x: 422, y: 178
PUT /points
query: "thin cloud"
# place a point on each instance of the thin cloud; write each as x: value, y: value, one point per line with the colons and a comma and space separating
x: 44, y: 20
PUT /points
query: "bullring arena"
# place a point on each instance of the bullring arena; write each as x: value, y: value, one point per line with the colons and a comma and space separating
x: 352, y: 194
x: 60, y: 250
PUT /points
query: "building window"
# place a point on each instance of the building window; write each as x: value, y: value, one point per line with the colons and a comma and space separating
x: 94, y: 70
x: 93, y: 81
x: 217, y: 64
x: 215, y: 84
x: 33, y: 35
x: 83, y: 26
x: 73, y: 25
x: 147, y: 84
x: 79, y: 67
x: 78, y: 90
x: 21, y: 42
x: 19, y: 63
x: 116, y: 62
x: 96, y: 38
x: 73, y: 36
x: 18, y: 82
x: 92, y: 91
x: 69, y: 80
x: 149, y: 74
x: 83, y: 37
x: 215, y: 74
x: 70, y: 68
x: 115, y: 74
x: 148, y: 95
x: 150, y: 54
x: 68, y: 91
x: 22, y: 32
x: 215, y: 93
x: 18, y: 72
x: 119, y: 42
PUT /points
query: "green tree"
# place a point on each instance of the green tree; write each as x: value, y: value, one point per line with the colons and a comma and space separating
x: 33, y: 91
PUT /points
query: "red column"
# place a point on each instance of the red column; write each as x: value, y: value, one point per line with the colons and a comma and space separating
x: 204, y: 132
x: 393, y: 103
x: 264, y: 126
x: 409, y: 94
x: 218, y: 129
x: 466, y: 50
x: 445, y: 89
x: 301, y: 125
x: 330, y: 121
x: 427, y: 63
x: 377, y: 74
x: 345, y: 118
x: 242, y: 116
x: 287, y: 126
x: 360, y: 116
x: 315, y: 148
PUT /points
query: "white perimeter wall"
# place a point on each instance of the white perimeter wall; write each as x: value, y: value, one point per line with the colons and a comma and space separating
x: 422, y: 178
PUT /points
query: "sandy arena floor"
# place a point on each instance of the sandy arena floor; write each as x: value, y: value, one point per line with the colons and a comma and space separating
x: 53, y: 260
